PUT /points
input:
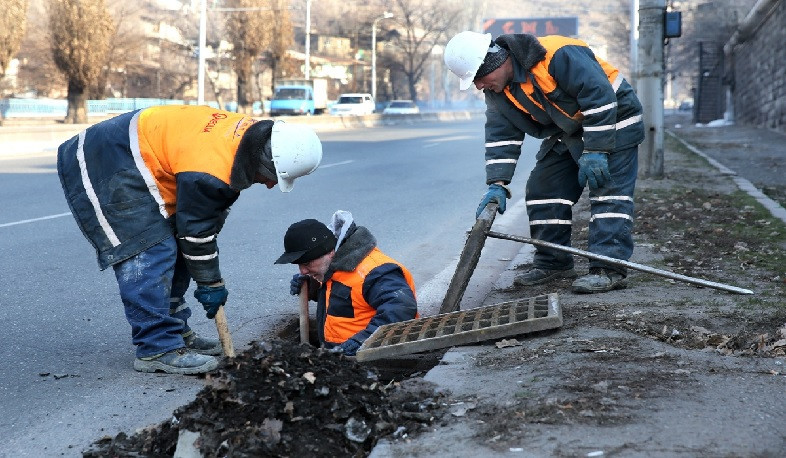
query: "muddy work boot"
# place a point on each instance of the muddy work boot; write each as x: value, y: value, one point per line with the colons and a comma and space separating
x: 599, y: 280
x: 537, y: 276
x: 202, y: 345
x: 180, y: 361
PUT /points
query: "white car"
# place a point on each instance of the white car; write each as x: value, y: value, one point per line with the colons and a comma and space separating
x: 353, y: 105
x: 401, y: 107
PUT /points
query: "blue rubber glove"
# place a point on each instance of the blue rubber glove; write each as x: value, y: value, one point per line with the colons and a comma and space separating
x: 211, y: 298
x: 594, y: 168
x: 496, y: 193
x: 350, y: 347
x: 296, y: 283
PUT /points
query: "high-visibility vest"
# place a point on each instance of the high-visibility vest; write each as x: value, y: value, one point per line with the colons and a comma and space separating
x: 352, y: 314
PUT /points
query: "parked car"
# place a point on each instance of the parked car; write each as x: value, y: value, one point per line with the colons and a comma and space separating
x: 353, y: 105
x: 401, y: 107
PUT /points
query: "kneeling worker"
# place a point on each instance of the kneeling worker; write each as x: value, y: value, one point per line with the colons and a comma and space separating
x: 358, y: 288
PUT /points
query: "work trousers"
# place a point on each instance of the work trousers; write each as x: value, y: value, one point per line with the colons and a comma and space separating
x: 553, y: 189
x: 152, y: 284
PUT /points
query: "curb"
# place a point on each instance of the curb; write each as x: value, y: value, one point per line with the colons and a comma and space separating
x: 744, y: 185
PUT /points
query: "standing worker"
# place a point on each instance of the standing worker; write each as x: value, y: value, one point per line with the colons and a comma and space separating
x: 555, y: 88
x: 151, y: 189
x: 358, y: 288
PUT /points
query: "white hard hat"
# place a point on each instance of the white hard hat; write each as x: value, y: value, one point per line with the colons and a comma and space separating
x: 296, y: 150
x: 464, y: 53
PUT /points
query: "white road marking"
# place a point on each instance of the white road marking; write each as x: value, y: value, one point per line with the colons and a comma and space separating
x: 335, y: 164
x: 25, y: 221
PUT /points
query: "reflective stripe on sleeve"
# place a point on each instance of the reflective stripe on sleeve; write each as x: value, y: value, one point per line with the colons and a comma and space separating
x: 209, y: 238
x: 206, y: 257
x: 620, y: 125
x: 503, y: 143
x: 501, y: 161
x: 606, y: 107
x: 628, y: 122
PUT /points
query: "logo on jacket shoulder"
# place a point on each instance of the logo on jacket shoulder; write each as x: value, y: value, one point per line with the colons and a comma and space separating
x: 213, y: 121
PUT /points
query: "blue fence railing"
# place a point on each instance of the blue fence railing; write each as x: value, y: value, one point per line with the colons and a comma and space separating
x: 57, y: 108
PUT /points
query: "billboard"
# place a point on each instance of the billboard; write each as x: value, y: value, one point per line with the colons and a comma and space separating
x: 567, y: 26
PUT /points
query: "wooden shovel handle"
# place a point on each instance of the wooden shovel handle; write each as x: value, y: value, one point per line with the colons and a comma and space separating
x: 303, y: 296
x: 223, y: 333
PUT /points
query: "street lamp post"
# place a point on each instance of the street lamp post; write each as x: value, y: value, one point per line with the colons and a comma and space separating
x: 385, y: 15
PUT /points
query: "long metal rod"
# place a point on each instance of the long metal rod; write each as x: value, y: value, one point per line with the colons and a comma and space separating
x: 620, y: 262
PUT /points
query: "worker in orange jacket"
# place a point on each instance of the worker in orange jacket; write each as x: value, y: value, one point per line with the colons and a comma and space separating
x: 358, y: 288
x: 151, y: 189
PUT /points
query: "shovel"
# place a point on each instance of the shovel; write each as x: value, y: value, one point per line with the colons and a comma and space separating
x: 223, y: 333
x: 303, y: 297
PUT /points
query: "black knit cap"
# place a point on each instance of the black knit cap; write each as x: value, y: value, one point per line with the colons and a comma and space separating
x: 495, y: 57
x: 305, y: 241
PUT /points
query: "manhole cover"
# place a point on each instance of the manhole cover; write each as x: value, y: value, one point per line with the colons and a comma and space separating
x: 463, y: 327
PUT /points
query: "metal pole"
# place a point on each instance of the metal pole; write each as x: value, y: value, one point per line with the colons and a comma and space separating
x: 650, y: 86
x: 385, y: 15
x: 308, y: 40
x: 202, y: 40
x: 620, y: 262
x: 634, y: 43
x: 374, y: 59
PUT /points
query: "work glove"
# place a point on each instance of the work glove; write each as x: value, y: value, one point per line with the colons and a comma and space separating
x: 496, y: 193
x: 348, y: 348
x: 211, y: 298
x: 296, y: 283
x: 594, y: 168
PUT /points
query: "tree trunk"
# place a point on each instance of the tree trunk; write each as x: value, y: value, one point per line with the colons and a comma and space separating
x: 413, y: 90
x: 77, y: 104
x: 244, y: 86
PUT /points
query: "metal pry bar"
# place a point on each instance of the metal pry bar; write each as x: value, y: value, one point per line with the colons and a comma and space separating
x: 619, y: 262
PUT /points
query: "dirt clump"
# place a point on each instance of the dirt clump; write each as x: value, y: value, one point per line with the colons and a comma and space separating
x: 284, y: 399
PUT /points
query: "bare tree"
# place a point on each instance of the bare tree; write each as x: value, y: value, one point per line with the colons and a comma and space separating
x: 281, y: 39
x: 422, y: 26
x: 249, y: 31
x: 12, y: 29
x: 81, y: 33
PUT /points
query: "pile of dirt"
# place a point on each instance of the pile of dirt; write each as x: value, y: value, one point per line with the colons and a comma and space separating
x: 283, y: 399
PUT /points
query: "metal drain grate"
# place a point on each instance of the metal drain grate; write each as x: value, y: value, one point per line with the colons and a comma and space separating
x: 465, y: 326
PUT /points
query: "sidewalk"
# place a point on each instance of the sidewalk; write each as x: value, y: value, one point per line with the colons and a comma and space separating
x: 659, y: 369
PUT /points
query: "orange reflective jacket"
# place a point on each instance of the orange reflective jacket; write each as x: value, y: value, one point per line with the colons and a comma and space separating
x: 348, y: 312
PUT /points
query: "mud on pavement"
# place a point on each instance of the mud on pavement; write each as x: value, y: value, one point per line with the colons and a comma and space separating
x: 661, y: 368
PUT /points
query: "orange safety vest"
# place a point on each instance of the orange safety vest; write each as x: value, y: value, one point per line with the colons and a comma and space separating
x: 546, y: 81
x: 338, y: 329
x: 174, y: 138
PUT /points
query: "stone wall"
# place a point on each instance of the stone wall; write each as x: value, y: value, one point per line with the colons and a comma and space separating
x: 760, y: 74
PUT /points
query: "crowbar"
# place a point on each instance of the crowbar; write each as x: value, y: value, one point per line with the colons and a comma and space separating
x: 620, y: 262
x: 223, y: 333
